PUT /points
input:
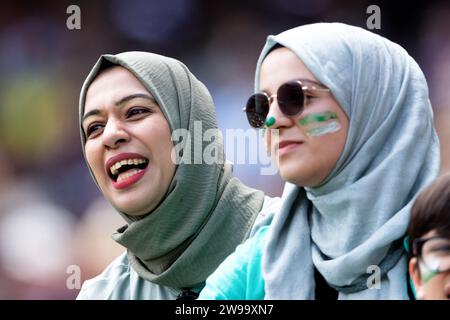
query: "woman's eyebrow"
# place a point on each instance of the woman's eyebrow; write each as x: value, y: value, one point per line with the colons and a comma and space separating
x: 134, y: 96
x: 306, y: 80
x: 119, y: 103
x: 90, y: 113
x: 312, y: 82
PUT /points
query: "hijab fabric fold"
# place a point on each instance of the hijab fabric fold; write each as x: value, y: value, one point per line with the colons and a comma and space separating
x: 351, y: 226
x: 206, y: 212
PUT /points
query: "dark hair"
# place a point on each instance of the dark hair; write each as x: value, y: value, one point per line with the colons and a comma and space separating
x: 106, y: 65
x: 275, y: 47
x: 431, y: 211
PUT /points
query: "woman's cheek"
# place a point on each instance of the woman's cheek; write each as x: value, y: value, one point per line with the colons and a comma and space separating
x: 93, y: 160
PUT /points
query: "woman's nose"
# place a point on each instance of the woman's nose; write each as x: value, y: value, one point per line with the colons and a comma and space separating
x: 114, y: 134
x: 276, y: 118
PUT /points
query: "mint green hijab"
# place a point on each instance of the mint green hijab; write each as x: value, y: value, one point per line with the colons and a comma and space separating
x: 206, y: 212
x: 350, y: 228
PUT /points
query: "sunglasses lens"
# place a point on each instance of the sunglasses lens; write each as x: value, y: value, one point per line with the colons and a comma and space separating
x: 290, y: 98
x: 257, y: 109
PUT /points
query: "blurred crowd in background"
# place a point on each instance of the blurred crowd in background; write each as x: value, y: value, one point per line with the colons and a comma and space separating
x: 52, y: 215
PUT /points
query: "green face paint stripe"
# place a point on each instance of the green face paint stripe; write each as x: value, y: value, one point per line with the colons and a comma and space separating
x: 324, y: 129
x: 428, y: 276
x: 429, y: 272
x: 270, y: 121
x: 317, y: 117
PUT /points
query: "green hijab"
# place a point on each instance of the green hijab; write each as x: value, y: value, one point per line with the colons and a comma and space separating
x: 206, y: 212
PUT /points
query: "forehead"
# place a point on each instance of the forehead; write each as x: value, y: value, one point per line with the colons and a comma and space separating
x: 111, y: 85
x: 282, y: 65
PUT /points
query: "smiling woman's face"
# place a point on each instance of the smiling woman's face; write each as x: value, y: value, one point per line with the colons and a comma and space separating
x: 128, y: 142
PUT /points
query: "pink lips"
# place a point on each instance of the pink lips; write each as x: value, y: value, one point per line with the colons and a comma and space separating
x: 287, y: 146
x: 130, y: 180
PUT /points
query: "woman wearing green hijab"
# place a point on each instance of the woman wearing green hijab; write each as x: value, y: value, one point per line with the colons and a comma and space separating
x: 182, y: 219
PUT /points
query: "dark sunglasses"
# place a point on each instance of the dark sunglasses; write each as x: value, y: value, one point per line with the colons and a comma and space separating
x: 291, y: 99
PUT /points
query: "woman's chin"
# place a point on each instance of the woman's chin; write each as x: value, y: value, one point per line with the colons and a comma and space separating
x: 134, y: 212
x: 137, y: 200
x: 294, y: 176
x: 132, y: 206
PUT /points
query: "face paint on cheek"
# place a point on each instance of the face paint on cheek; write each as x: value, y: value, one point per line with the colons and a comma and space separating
x: 319, y: 124
x: 330, y: 127
x: 426, y: 274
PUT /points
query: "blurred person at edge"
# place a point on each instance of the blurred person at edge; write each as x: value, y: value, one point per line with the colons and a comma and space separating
x: 429, y: 240
x: 182, y: 219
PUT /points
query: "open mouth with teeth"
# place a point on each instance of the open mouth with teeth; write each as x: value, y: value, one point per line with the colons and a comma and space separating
x: 124, y: 169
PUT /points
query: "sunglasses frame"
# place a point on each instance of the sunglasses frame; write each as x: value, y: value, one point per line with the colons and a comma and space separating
x: 270, y: 99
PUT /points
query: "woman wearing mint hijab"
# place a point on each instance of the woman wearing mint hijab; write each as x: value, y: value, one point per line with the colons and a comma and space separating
x: 183, y: 216
x: 356, y: 145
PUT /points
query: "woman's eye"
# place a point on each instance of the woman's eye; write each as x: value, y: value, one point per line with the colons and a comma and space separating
x: 92, y: 129
x: 136, y: 111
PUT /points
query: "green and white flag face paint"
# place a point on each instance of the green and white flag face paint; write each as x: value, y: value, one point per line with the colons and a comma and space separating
x: 319, y: 124
x: 426, y: 274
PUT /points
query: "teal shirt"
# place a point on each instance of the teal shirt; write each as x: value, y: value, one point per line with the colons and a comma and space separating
x: 239, y: 277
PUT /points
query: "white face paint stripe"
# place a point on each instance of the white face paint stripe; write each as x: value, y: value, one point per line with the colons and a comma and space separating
x: 326, y: 128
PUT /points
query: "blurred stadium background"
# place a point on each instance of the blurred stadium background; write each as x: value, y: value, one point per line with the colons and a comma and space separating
x: 51, y: 213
